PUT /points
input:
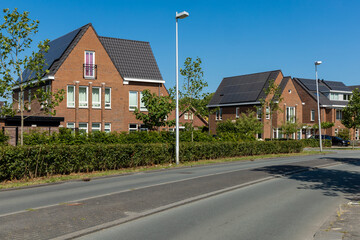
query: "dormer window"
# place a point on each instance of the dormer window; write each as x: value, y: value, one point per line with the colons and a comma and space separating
x: 89, y: 65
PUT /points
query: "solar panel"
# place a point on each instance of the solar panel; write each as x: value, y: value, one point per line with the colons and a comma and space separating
x: 340, y: 86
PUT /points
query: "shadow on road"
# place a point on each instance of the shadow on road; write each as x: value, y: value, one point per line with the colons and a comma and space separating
x: 330, y: 181
x: 352, y: 161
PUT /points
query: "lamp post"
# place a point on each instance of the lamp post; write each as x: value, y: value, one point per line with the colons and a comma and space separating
x: 318, y: 104
x: 178, y: 16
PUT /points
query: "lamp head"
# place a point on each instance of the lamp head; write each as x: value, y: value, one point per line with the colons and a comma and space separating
x: 318, y: 62
x: 182, y: 15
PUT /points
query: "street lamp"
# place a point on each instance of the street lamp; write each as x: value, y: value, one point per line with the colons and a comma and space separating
x: 318, y: 104
x: 181, y: 15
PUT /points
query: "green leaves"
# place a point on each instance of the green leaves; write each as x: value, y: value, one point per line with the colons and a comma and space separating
x: 158, y: 109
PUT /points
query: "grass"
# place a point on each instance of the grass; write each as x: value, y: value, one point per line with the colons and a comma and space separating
x: 97, y: 174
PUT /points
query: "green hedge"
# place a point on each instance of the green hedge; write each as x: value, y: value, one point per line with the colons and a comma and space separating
x: 315, y: 143
x: 45, y: 160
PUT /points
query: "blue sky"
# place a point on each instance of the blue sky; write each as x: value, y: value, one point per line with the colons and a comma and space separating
x: 231, y: 37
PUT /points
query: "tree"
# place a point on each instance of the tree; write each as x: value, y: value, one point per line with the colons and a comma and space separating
x: 17, y: 70
x: 351, y: 113
x: 272, y: 102
x: 245, y: 127
x: 192, y: 94
x: 289, y: 128
x: 324, y: 125
x: 158, y: 109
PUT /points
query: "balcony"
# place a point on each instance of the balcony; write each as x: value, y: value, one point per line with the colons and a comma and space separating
x: 90, y: 71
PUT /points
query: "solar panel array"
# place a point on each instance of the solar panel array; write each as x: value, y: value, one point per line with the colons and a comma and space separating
x: 337, y: 86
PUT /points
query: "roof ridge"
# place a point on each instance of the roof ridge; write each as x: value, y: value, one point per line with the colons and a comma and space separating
x: 124, y: 39
x: 253, y: 73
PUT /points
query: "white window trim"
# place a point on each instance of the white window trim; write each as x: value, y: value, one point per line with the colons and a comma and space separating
x: 142, y: 108
x: 312, y: 119
x: 89, y: 77
x: 336, y: 115
x: 92, y: 99
x: 71, y: 123
x: 237, y: 112
x: 109, y: 103
x: 105, y: 129
x: 96, y: 128
x: 132, y: 107
x: 267, y: 112
x: 259, y: 113
x: 87, y: 97
x: 136, y: 129
x: 290, y: 119
x: 67, y: 96
x: 87, y: 127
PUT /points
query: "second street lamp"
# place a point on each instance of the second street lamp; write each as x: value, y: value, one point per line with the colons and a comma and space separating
x: 318, y: 104
x: 181, y: 15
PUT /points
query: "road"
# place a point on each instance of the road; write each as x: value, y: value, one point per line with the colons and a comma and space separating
x: 284, y: 198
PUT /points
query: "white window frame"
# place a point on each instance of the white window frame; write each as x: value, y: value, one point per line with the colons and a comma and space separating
x: 83, y: 128
x: 340, y: 114
x: 357, y: 134
x: 237, y: 112
x: 312, y: 115
x: 107, y: 127
x: 219, y: 114
x: 132, y: 107
x: 267, y: 112
x: 142, y: 105
x: 336, y: 132
x: 70, y: 125
x: 93, y: 71
x: 29, y: 99
x: 258, y: 113
x: 289, y: 117
x: 95, y: 129
x: 68, y: 103
x: 96, y: 104
x: 133, y: 129
x: 87, y: 97
x: 107, y: 104
x: 188, y: 116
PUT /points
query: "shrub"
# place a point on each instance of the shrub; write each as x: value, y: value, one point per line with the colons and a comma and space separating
x: 3, y: 138
x: 43, y: 160
x: 315, y: 143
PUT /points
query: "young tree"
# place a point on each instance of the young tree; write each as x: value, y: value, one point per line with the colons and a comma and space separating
x: 351, y: 113
x: 289, y: 128
x: 245, y: 127
x: 192, y: 92
x: 158, y: 109
x: 324, y: 125
x: 272, y: 101
x: 17, y: 70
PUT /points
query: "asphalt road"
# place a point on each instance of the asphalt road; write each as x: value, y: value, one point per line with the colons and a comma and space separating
x: 291, y: 207
x: 266, y: 196
x: 31, y: 198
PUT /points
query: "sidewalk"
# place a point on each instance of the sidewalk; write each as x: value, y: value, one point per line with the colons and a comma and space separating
x: 343, y: 225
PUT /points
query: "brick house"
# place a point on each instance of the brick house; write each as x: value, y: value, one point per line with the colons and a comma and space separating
x: 187, y: 117
x: 103, y: 79
x: 239, y: 94
x: 333, y: 97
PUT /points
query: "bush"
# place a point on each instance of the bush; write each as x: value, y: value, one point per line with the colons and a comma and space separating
x: 315, y: 143
x: 44, y: 160
x: 344, y: 133
x: 3, y: 138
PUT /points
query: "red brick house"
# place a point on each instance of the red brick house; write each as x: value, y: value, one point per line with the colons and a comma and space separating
x: 103, y: 79
x: 239, y: 94
x: 191, y: 116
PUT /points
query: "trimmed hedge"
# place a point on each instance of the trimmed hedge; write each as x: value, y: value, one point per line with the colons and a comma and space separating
x: 315, y: 143
x: 45, y: 160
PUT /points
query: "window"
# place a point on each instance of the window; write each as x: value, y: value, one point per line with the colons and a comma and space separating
x: 219, y: 114
x: 96, y: 97
x: 312, y: 115
x: 133, y: 127
x: 89, y: 66
x: 142, y: 105
x: 347, y: 97
x: 29, y: 99
x: 338, y: 114
x: 237, y: 112
x: 290, y: 114
x: 188, y: 116
x: 258, y: 112
x: 96, y: 127
x: 83, y: 97
x: 267, y: 113
x: 336, y: 131
x: 133, y: 100
x: 107, y: 127
x: 70, y: 96
x: 83, y: 127
x: 143, y: 128
x: 48, y: 88
x: 71, y: 125
x: 299, y: 134
x: 357, y: 134
x: 334, y: 96
x: 107, y: 97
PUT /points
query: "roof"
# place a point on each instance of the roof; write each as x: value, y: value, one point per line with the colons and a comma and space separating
x: 59, y: 50
x: 133, y: 59
x: 325, y: 87
x: 243, y: 89
x: 354, y: 87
